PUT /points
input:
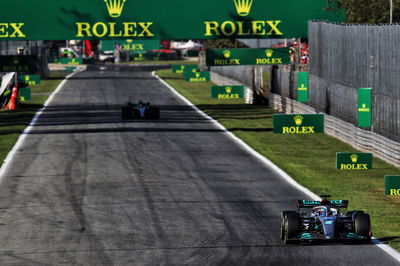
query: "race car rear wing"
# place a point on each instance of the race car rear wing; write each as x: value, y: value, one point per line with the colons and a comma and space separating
x: 316, y: 203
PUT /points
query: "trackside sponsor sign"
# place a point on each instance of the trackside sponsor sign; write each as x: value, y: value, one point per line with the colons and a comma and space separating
x: 353, y: 161
x: 197, y: 76
x: 18, y: 63
x: 392, y: 185
x: 302, y: 88
x: 227, y: 92
x: 364, y: 107
x: 180, y: 69
x: 30, y: 79
x: 247, y: 56
x: 71, y: 61
x: 298, y: 123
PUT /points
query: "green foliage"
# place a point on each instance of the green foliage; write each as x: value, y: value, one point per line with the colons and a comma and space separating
x: 367, y: 11
x: 222, y: 43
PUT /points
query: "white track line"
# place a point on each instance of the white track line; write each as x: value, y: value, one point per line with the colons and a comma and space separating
x: 388, y: 249
x: 22, y: 137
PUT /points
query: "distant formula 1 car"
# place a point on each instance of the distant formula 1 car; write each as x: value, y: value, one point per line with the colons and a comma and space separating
x: 140, y: 110
x: 324, y: 220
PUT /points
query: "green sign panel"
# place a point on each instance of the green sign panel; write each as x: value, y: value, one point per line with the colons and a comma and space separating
x: 71, y: 61
x: 364, y: 107
x: 302, y: 88
x: 70, y: 68
x: 247, y: 56
x: 298, y: 123
x: 198, y: 76
x: 24, y: 94
x: 392, y: 185
x: 159, y: 19
x: 180, y: 69
x: 18, y: 63
x: 134, y: 46
x: 30, y: 79
x: 227, y: 92
x: 353, y: 161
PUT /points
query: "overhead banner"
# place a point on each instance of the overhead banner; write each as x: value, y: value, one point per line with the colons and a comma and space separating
x: 364, y: 107
x: 18, y: 63
x: 247, y: 56
x: 227, y: 92
x: 179, y: 69
x: 198, y: 76
x: 302, y: 88
x: 133, y: 46
x: 392, y: 185
x: 353, y: 161
x: 159, y: 19
x: 298, y: 123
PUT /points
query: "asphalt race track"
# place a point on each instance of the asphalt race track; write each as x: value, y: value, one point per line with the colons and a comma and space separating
x: 87, y: 188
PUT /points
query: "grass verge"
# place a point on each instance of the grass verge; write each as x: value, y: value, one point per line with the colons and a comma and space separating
x: 309, y: 159
x: 13, y: 123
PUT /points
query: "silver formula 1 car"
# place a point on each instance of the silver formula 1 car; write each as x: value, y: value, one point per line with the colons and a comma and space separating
x: 324, y: 220
x: 140, y: 110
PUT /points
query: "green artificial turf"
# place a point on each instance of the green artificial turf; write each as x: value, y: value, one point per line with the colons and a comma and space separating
x: 309, y: 159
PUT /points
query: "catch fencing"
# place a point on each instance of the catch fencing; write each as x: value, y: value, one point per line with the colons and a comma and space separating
x: 344, y: 58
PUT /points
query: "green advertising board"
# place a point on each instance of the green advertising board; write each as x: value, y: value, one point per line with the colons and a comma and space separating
x: 24, y: 95
x: 227, y: 92
x: 197, y: 76
x: 159, y: 19
x: 133, y: 46
x: 18, y: 63
x: 139, y: 57
x: 71, y: 61
x: 302, y: 88
x: 353, y: 161
x: 298, y: 123
x: 364, y: 107
x: 30, y: 79
x: 392, y: 185
x: 180, y: 69
x: 247, y: 56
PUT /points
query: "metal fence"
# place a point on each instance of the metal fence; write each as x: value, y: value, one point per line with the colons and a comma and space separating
x: 344, y: 58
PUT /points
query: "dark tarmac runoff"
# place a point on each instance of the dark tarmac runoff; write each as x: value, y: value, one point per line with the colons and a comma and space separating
x: 87, y: 188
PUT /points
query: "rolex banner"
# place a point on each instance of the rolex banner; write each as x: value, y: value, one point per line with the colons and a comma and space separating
x: 364, y: 107
x: 159, y: 19
x: 181, y: 68
x: 247, y: 56
x: 302, y: 88
x: 353, y: 161
x: 392, y: 185
x: 24, y: 94
x: 298, y: 123
x: 30, y: 79
x: 227, y: 92
x: 198, y: 76
x: 71, y: 61
x: 18, y: 63
x: 133, y: 46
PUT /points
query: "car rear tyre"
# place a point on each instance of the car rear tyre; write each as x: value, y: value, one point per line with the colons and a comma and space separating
x: 292, y: 227
x: 282, y: 227
x: 362, y: 226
